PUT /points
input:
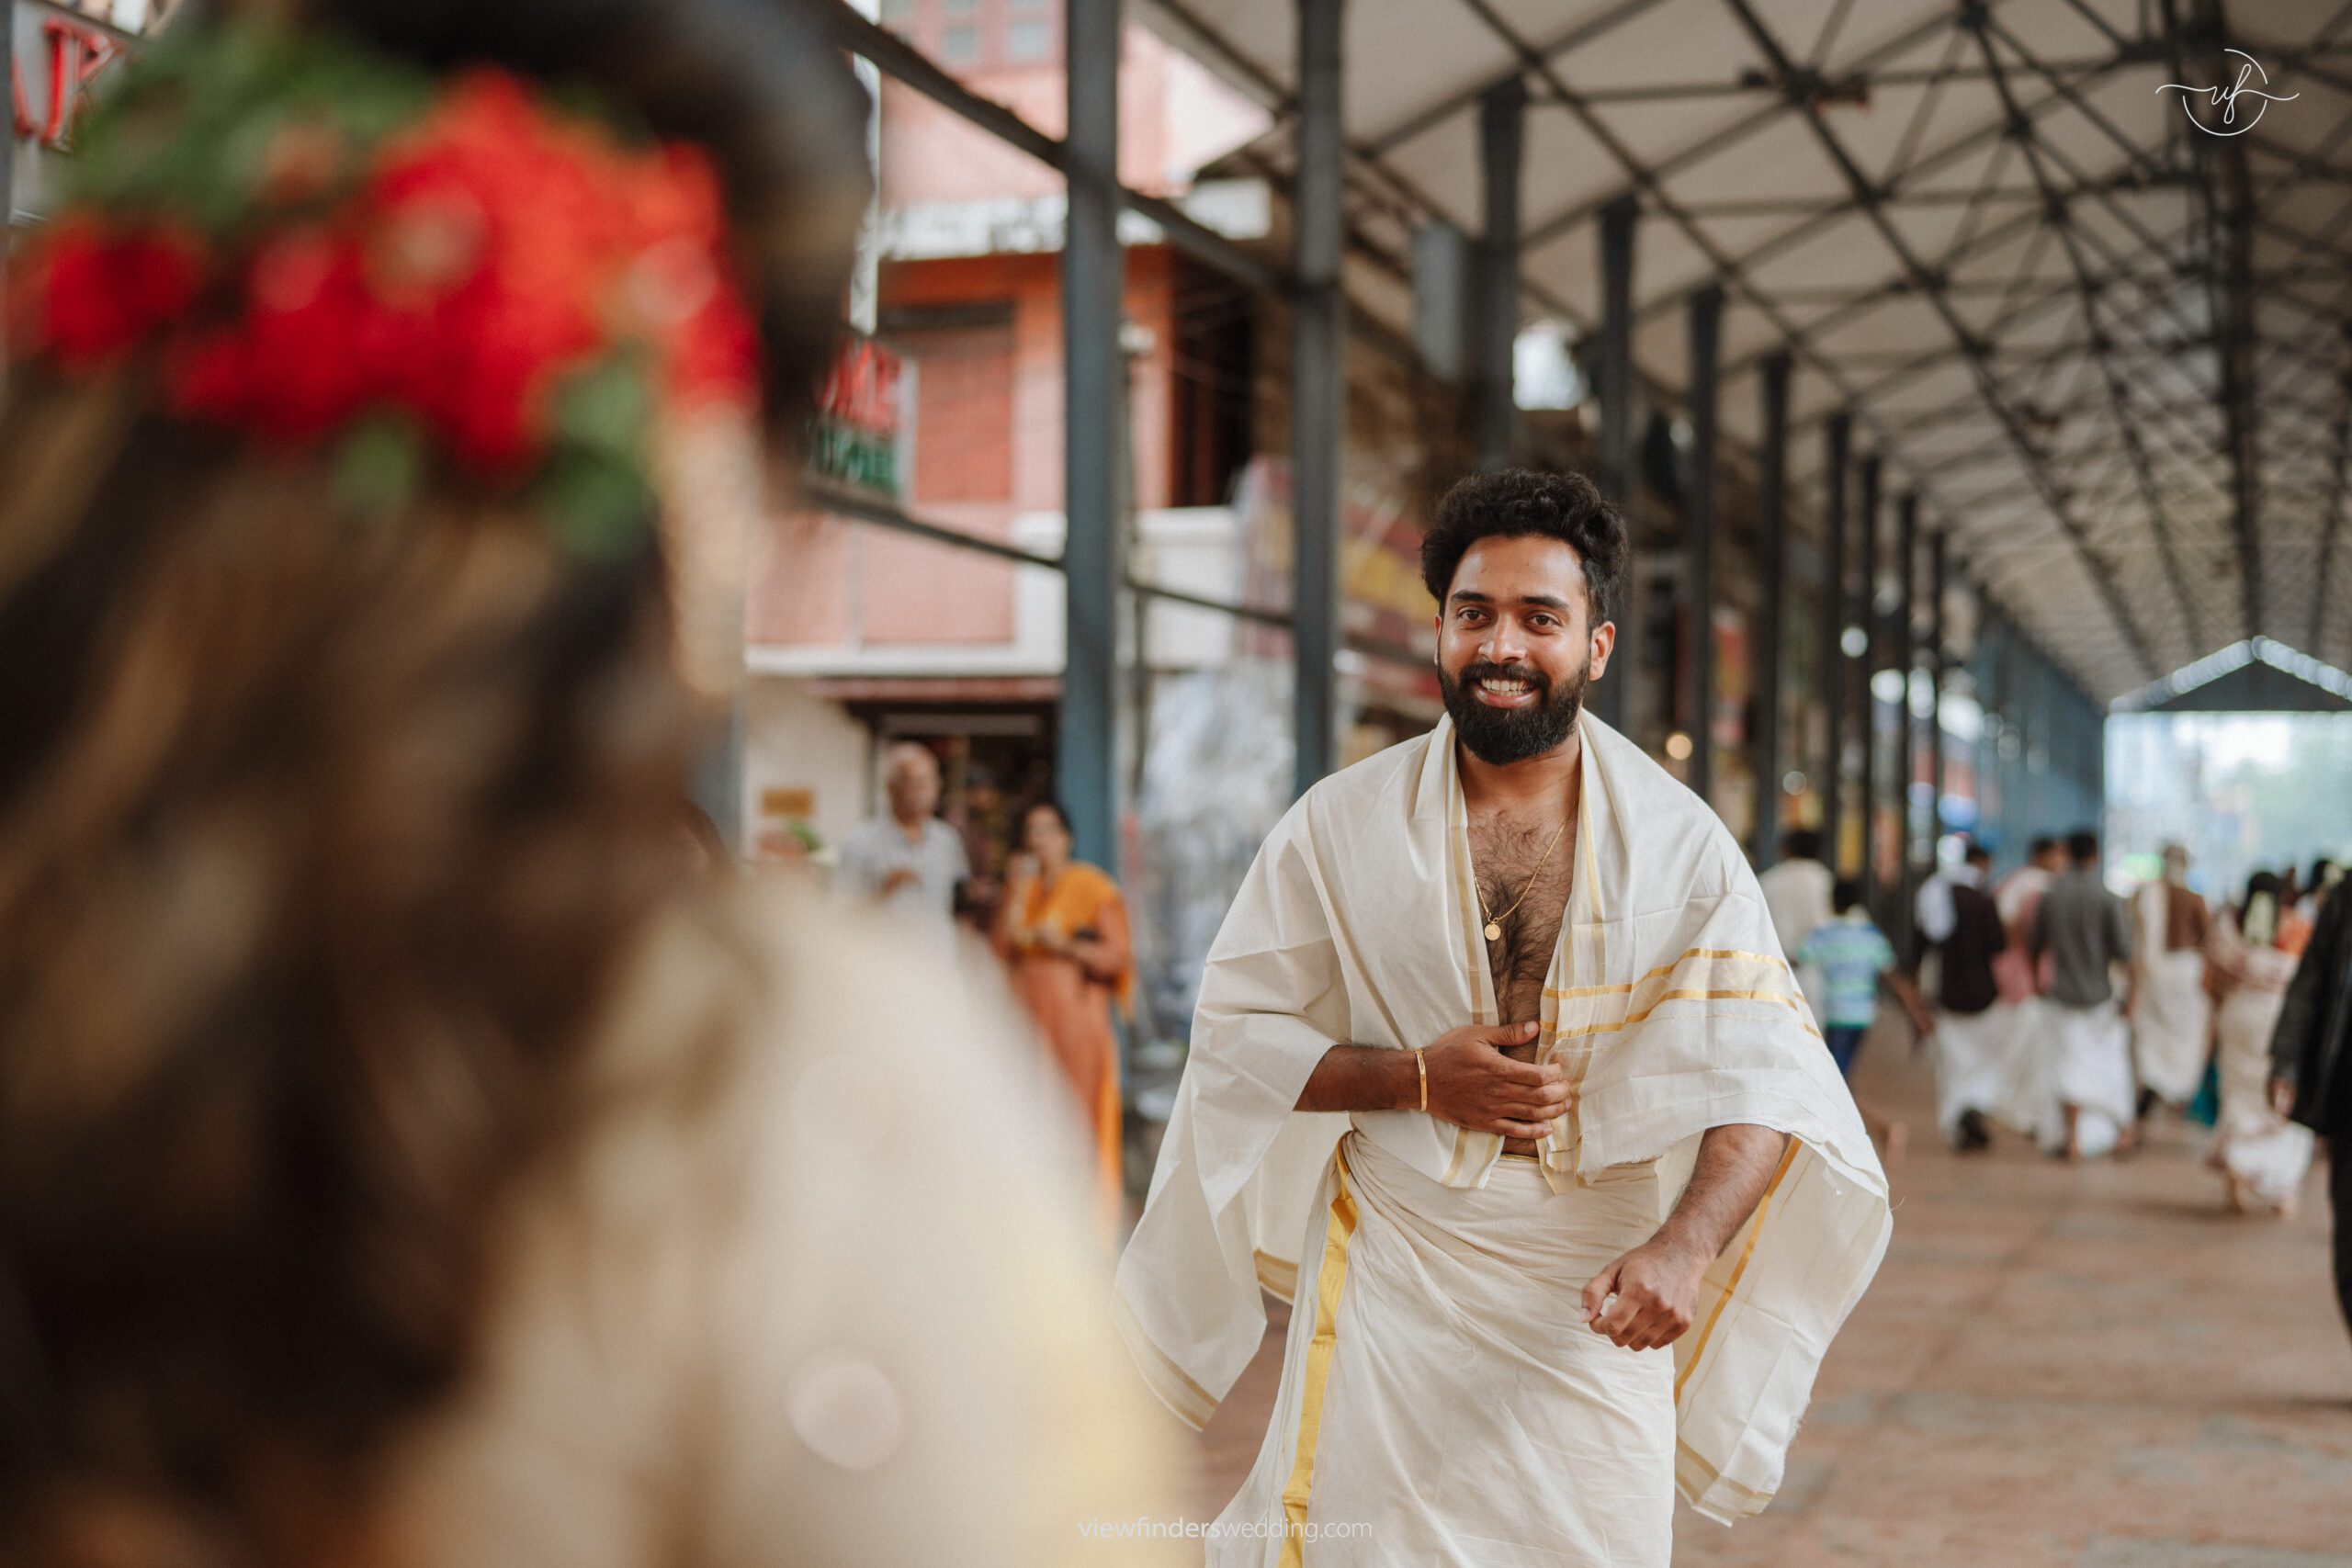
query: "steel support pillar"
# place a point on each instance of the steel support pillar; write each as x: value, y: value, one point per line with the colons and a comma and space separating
x: 8, y: 72
x: 1317, y: 400
x: 1939, y: 655
x: 1866, y: 520
x: 1772, y: 626
x: 1502, y: 125
x: 1701, y: 529
x: 1613, y: 386
x: 1093, y: 433
x: 1907, y: 730
x: 1835, y: 686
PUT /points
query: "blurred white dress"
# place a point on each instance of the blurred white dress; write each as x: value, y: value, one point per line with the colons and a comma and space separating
x: 816, y: 1287
x: 2263, y: 1154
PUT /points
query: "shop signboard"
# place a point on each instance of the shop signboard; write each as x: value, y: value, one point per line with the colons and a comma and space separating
x: 853, y: 440
x: 59, y: 52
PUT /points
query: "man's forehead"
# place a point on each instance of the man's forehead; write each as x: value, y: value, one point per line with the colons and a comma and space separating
x: 1521, y: 564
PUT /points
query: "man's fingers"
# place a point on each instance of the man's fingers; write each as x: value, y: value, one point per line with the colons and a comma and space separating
x: 1602, y: 1284
x: 1531, y: 1075
x: 1507, y: 1033
x: 1512, y: 1129
x: 1647, y: 1331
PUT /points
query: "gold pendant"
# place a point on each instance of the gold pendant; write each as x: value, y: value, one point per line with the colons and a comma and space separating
x: 1494, y: 932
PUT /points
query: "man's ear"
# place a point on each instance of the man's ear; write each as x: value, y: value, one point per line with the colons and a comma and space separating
x: 1604, y: 643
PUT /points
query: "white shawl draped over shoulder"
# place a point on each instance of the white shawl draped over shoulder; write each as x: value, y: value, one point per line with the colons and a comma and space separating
x: 1670, y: 1002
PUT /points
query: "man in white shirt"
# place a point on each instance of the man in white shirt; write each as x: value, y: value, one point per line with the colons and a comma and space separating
x: 1797, y: 896
x: 909, y: 862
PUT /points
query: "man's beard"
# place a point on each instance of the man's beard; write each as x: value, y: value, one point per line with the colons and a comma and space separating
x: 1500, y: 735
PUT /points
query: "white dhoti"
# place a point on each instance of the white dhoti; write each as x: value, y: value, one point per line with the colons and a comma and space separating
x: 1441, y: 1404
x: 1975, y: 1064
x: 1438, y: 1387
x: 2091, y: 1069
x: 2029, y: 1099
x: 2264, y: 1154
x: 2171, y: 1022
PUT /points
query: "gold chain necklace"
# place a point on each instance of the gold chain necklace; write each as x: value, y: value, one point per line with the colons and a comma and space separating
x: 1494, y: 922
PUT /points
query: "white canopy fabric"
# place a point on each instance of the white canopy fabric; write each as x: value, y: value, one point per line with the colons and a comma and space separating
x: 2104, y: 343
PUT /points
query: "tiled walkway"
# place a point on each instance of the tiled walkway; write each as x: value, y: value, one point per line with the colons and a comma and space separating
x: 2094, y: 1368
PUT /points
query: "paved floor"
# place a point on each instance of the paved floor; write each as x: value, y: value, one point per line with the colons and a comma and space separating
x: 2092, y: 1368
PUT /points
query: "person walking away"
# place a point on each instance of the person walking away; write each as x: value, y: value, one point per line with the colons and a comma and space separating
x: 2082, y: 928
x: 1855, y: 960
x: 2311, y: 1063
x: 2261, y: 1154
x: 2172, y: 1025
x: 2326, y: 872
x: 1797, y: 896
x: 907, y: 861
x: 1063, y: 929
x: 2028, y: 1102
x: 1972, y: 1040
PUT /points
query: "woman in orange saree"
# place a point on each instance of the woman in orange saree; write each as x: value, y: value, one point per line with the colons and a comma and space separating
x: 1062, y: 928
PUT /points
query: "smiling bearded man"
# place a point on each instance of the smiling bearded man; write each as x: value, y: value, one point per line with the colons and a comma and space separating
x: 1500, y: 1075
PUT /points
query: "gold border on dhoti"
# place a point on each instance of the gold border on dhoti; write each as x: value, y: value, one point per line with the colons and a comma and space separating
x: 1174, y: 1387
x: 1731, y: 1283
x: 1279, y: 1275
x: 1328, y: 1281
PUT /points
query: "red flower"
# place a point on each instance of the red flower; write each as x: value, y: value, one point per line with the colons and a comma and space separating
x: 487, y: 253
x: 100, y: 293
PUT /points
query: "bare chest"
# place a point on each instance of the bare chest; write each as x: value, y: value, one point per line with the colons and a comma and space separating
x: 1525, y: 891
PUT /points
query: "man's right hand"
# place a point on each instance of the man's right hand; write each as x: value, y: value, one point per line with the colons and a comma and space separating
x: 1473, y: 1084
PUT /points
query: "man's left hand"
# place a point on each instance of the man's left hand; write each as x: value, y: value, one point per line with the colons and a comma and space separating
x: 1657, y: 1287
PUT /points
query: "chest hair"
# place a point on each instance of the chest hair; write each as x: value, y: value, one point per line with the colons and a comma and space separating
x: 1506, y: 853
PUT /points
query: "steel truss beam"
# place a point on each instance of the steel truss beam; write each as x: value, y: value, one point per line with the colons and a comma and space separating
x: 2036, y: 462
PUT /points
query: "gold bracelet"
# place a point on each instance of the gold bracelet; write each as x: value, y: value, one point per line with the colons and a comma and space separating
x: 1421, y: 1060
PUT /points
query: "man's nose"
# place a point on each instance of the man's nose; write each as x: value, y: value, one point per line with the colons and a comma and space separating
x: 1503, y: 643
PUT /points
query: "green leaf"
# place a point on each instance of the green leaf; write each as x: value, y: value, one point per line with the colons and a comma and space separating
x: 379, y: 465
x: 598, y: 508
x: 607, y: 408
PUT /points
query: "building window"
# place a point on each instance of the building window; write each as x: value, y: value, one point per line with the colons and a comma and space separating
x: 960, y: 45
x: 899, y: 12
x: 1027, y: 42
x: 960, y: 420
x: 959, y: 8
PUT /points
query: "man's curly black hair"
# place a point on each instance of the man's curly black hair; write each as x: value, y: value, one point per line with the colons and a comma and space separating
x: 1512, y: 504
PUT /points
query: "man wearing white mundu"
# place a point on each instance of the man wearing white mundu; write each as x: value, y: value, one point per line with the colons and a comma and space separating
x: 1500, y: 1074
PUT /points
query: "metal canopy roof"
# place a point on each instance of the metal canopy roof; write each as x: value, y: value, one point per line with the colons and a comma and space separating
x: 2257, y: 675
x: 2104, y: 344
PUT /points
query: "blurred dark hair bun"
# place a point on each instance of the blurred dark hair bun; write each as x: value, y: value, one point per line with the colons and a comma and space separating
x: 758, y: 84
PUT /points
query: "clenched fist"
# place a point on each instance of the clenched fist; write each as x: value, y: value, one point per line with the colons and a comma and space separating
x: 1657, y: 1291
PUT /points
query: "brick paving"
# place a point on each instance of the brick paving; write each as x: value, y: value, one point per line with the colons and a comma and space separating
x: 2057, y: 1368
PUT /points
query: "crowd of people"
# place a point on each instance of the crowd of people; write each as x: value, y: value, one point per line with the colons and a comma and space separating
x: 2053, y: 1006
